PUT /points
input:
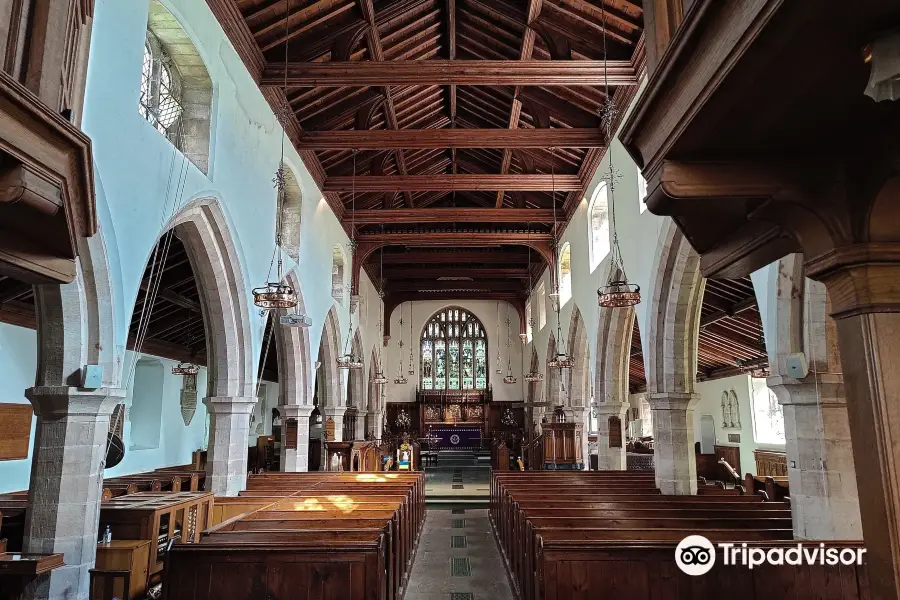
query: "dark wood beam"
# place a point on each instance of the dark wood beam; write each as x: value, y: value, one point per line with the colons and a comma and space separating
x: 462, y: 239
x: 449, y: 183
x: 451, y: 215
x: 447, y: 72
x: 425, y: 257
x: 382, y: 139
x: 418, y: 272
x: 735, y: 309
x: 454, y: 286
x: 525, y: 51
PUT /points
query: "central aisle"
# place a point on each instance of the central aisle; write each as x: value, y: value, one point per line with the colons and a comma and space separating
x: 458, y: 559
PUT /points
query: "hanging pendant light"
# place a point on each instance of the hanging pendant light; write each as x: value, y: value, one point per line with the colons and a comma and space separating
x: 561, y: 360
x: 400, y: 379
x: 348, y: 360
x: 509, y: 376
x: 499, y: 370
x: 618, y: 292
x: 188, y: 367
x: 534, y: 376
x: 379, y: 377
x: 277, y: 294
x: 531, y: 376
x: 410, y: 371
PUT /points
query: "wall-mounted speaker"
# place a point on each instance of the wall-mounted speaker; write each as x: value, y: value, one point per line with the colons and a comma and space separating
x: 92, y: 377
x: 795, y: 365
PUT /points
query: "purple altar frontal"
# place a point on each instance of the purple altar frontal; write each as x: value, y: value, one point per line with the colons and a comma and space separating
x: 456, y: 438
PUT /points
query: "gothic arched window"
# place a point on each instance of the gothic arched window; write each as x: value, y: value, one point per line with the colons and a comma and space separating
x: 565, y: 274
x: 454, y: 351
x: 160, y: 91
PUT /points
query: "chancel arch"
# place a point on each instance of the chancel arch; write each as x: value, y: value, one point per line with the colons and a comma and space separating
x: 578, y: 377
x: 453, y: 351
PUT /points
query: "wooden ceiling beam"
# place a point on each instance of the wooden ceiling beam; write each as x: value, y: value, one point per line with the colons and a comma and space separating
x: 525, y: 51
x: 412, y: 285
x: 485, y: 258
x: 474, y: 271
x: 449, y: 183
x: 735, y: 309
x: 452, y: 138
x: 445, y: 72
x: 452, y: 215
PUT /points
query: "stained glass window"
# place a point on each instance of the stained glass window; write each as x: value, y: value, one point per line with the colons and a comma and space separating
x: 160, y: 101
x: 454, y: 351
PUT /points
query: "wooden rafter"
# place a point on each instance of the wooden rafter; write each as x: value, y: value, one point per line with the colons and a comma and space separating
x: 382, y: 139
x: 447, y: 72
x: 449, y: 183
x: 454, y: 215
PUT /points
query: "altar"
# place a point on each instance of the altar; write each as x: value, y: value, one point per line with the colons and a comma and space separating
x: 454, y: 437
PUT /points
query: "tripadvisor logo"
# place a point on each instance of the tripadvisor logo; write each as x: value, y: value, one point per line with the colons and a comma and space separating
x: 696, y: 555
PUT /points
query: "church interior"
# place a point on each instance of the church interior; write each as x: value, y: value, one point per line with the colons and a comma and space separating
x: 449, y: 299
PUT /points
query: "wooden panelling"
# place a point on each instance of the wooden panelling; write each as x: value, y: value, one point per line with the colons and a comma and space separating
x: 770, y: 463
x: 15, y: 431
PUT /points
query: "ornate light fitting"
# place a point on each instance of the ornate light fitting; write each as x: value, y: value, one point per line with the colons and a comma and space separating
x: 379, y: 378
x: 509, y: 376
x: 561, y: 360
x: 277, y: 294
x: 400, y: 379
x: 499, y: 370
x: 534, y: 376
x: 403, y: 421
x: 508, y: 419
x: 618, y: 292
x: 349, y: 360
x: 410, y: 370
x: 185, y: 368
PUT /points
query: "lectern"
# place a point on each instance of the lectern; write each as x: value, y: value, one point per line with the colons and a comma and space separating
x: 562, y: 446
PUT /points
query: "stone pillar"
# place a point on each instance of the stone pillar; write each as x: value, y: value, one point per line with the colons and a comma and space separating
x: 824, y: 498
x: 865, y: 303
x: 610, y: 459
x: 673, y: 442
x: 66, y: 479
x: 361, y: 424
x: 583, y: 416
x: 229, y: 430
x: 336, y: 415
x: 295, y: 460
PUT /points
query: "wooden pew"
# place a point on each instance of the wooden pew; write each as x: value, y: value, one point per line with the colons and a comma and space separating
x: 545, y: 537
x: 349, y: 535
x: 775, y: 489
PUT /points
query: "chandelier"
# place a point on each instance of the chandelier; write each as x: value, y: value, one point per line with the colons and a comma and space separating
x: 561, y: 360
x: 278, y: 294
x: 348, y: 360
x: 410, y: 371
x: 400, y: 379
x: 534, y: 376
x: 499, y: 370
x: 185, y: 368
x: 509, y: 376
x: 618, y: 292
x: 188, y: 367
x: 379, y: 378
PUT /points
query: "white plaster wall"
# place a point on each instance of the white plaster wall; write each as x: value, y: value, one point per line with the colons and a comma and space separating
x: 710, y: 403
x: 486, y: 311
x: 18, y: 364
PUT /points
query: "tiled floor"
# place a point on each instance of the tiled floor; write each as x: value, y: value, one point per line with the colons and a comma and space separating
x: 442, y: 561
x: 464, y: 481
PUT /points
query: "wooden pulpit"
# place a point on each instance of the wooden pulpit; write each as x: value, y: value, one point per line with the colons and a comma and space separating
x: 562, y: 447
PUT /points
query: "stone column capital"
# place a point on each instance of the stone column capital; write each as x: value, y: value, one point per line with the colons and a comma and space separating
x: 295, y: 411
x: 230, y: 405
x: 611, y: 408
x: 53, y: 402
x: 335, y: 412
x: 817, y: 389
x: 672, y: 400
x: 860, y: 278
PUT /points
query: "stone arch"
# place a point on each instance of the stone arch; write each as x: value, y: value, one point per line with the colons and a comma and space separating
x: 329, y: 350
x: 579, y: 376
x: 676, y: 296
x: 534, y: 366
x: 76, y: 322
x: 292, y: 343
x: 614, y: 332
x: 225, y: 297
